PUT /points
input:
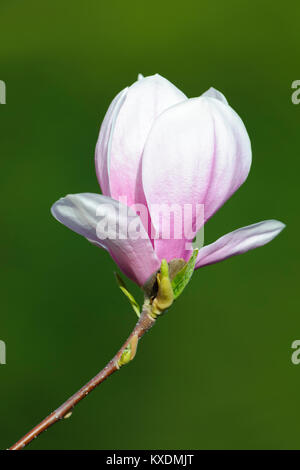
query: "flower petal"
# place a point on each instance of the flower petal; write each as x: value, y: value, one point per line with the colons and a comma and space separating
x: 144, y: 101
x: 104, y: 142
x: 239, y: 241
x: 113, y: 226
x: 198, y: 152
x: 213, y: 93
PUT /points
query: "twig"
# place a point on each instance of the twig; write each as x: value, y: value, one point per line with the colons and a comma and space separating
x: 123, y: 356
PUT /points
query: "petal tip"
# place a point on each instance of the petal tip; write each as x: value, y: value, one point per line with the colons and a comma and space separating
x: 277, y: 225
x: 215, y: 94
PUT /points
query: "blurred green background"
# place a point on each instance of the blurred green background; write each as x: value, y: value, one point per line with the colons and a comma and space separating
x: 216, y: 371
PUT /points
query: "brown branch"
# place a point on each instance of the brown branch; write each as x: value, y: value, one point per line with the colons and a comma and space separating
x: 124, y: 355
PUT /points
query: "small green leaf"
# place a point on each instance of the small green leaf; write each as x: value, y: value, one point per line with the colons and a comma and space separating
x: 129, y: 296
x: 129, y: 352
x: 125, y: 358
x: 182, y: 278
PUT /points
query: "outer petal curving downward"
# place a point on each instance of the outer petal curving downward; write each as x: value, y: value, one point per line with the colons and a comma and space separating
x: 144, y: 101
x: 198, y: 152
x: 239, y: 241
x: 113, y: 226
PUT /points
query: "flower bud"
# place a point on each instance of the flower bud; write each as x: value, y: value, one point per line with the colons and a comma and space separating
x: 165, y: 296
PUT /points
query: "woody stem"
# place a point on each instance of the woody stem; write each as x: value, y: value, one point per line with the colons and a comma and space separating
x: 144, y: 323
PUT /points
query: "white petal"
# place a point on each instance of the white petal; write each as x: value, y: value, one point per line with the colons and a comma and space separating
x: 239, y: 241
x: 108, y: 223
x: 145, y: 100
x: 217, y: 95
x: 197, y: 152
x: 103, y: 147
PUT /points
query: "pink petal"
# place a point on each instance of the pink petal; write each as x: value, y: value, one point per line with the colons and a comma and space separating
x: 111, y: 225
x: 144, y: 101
x: 198, y: 152
x: 239, y: 241
x: 104, y: 142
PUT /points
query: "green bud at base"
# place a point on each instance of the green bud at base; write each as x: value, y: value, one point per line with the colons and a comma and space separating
x: 165, y: 295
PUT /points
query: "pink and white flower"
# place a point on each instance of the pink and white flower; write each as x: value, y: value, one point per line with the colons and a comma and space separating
x: 157, y: 147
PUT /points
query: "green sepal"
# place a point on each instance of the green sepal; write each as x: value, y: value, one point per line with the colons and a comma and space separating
x: 183, y: 277
x: 129, y: 296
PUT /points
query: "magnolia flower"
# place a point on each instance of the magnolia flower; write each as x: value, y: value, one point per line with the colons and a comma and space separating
x: 157, y: 147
